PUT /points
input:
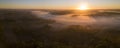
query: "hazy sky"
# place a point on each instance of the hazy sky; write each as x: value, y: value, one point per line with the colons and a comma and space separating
x: 58, y: 4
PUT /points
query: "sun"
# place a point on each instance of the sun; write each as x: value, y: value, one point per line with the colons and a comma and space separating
x: 83, y: 7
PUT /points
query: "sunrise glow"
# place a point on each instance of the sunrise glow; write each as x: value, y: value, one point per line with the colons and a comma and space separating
x: 83, y: 6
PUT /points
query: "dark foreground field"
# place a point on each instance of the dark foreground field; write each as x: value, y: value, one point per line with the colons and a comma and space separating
x: 23, y: 29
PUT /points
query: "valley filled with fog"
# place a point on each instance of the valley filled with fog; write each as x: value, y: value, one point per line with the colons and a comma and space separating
x: 91, y: 19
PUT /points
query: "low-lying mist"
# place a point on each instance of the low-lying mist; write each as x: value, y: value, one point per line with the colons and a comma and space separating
x: 95, y: 19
